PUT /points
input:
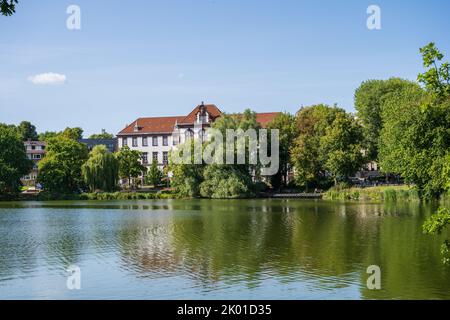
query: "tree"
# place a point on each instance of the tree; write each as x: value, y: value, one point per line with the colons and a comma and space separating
x: 286, y: 124
x: 8, y: 7
x: 186, y: 178
x: 73, y: 133
x: 13, y: 160
x: 415, y: 138
x: 369, y: 100
x: 101, y: 171
x: 103, y: 135
x: 60, y: 170
x: 437, y: 78
x: 341, y: 147
x: 154, y: 175
x: 27, y: 131
x: 44, y: 136
x: 224, y: 182
x: 312, y: 123
x: 129, y: 164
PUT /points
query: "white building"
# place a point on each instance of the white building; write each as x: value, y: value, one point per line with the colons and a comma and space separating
x: 156, y: 137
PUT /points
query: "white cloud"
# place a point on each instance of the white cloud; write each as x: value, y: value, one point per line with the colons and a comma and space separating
x: 47, y: 78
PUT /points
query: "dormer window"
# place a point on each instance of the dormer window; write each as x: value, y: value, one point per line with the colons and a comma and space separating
x: 136, y: 127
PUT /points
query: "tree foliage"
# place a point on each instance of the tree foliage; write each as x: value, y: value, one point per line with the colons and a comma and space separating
x: 101, y: 171
x: 13, y: 160
x: 27, y: 131
x: 224, y: 182
x: 73, y: 133
x: 130, y: 165
x: 436, y: 78
x: 45, y: 136
x: 415, y: 138
x: 312, y: 123
x: 341, y: 147
x: 60, y: 170
x: 8, y: 7
x: 286, y: 124
x: 369, y: 100
x: 103, y: 135
x: 154, y: 175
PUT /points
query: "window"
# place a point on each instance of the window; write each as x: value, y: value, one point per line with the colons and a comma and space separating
x: 37, y: 156
x: 165, y: 140
x: 144, y: 157
x: 175, y: 138
x: 144, y: 142
x: 135, y: 142
x: 33, y: 147
x: 202, y: 134
x: 155, y: 157
x: 42, y: 147
x: 124, y: 142
x: 188, y: 134
x: 165, y: 157
x: 154, y: 141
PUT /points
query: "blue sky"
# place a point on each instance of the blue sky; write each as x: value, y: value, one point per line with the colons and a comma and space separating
x: 157, y: 58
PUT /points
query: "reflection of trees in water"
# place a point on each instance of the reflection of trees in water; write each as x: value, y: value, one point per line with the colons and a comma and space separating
x: 250, y: 241
x: 147, y: 249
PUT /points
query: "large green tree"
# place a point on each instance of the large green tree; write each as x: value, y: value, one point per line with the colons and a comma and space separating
x: 27, y: 131
x: 60, y: 170
x: 101, y: 171
x: 130, y: 166
x: 341, y: 147
x: 73, y: 133
x: 286, y: 124
x: 415, y: 138
x: 369, y: 100
x: 224, y: 182
x: 13, y: 160
x: 154, y: 175
x: 312, y: 124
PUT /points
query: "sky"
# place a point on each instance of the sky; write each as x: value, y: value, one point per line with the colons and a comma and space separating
x: 144, y: 58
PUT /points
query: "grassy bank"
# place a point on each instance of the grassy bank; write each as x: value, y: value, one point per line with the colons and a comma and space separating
x: 382, y: 193
x: 45, y: 196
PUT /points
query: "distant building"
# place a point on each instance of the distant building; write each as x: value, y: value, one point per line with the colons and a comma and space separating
x: 156, y: 137
x: 110, y: 144
x: 35, y: 151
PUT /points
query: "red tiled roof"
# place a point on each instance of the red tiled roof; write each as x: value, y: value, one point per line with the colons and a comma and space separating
x: 265, y: 118
x: 166, y: 124
x: 152, y: 125
x: 213, y: 111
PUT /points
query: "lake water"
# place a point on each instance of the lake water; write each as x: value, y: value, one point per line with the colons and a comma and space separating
x: 218, y: 249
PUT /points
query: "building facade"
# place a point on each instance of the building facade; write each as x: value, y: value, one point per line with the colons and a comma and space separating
x: 35, y: 151
x: 156, y: 137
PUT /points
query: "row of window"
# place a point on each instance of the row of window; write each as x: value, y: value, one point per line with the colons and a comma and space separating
x: 134, y: 141
x: 165, y: 139
x: 155, y: 157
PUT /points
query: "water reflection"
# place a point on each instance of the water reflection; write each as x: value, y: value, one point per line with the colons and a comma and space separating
x: 227, y: 249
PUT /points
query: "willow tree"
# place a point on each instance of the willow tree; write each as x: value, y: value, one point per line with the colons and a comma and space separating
x: 101, y: 170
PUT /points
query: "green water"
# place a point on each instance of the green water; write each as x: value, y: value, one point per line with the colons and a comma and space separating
x: 208, y: 249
